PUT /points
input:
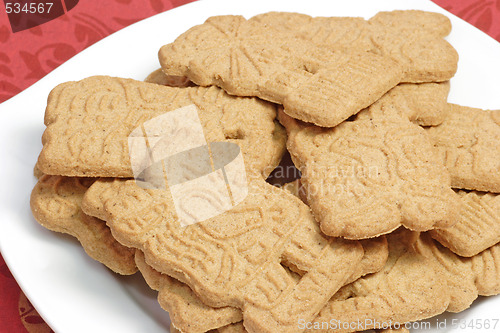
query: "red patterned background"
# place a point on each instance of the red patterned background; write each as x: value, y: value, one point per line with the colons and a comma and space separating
x: 27, y: 56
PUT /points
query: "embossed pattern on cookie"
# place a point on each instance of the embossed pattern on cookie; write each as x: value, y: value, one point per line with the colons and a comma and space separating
x: 407, y: 289
x: 424, y: 103
x: 467, y: 142
x: 246, y: 58
x: 185, y: 309
x: 336, y: 33
x: 89, y: 121
x: 234, y: 258
x: 414, y: 21
x: 55, y: 203
x: 190, y: 314
x: 374, y: 259
x: 486, y: 268
x: 367, y: 177
x: 466, y: 278
x: 412, y: 38
x: 477, y: 227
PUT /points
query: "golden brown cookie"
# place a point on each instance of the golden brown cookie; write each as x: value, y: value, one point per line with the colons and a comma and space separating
x: 468, y: 144
x: 336, y: 33
x: 477, y: 227
x: 348, y: 32
x: 89, y: 121
x: 367, y: 177
x: 191, y: 315
x: 186, y: 309
x: 55, y: 203
x: 423, y: 58
x: 407, y: 289
x: 374, y: 259
x: 376, y: 250
x: 424, y: 104
x: 173, y: 329
x: 314, y: 83
x: 409, y: 22
x: 234, y: 258
x: 412, y: 38
x: 466, y: 278
x: 485, y: 266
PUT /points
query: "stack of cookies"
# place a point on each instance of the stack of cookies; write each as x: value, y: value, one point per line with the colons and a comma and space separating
x: 395, y: 217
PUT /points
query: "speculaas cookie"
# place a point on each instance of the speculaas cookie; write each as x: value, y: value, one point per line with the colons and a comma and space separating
x: 239, y: 328
x: 247, y: 58
x: 467, y: 142
x: 477, y: 227
x: 89, y: 123
x: 55, y: 203
x: 191, y: 315
x: 219, y: 258
x: 367, y: 177
x: 414, y: 39
x: 466, y: 278
x: 424, y: 103
x: 186, y: 309
x: 407, y: 289
x: 414, y: 21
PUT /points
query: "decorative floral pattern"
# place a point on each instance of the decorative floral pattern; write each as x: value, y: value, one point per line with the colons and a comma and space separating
x: 28, y: 55
x: 10, y: 320
x: 31, y: 320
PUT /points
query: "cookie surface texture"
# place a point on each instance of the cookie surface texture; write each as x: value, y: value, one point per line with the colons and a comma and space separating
x: 314, y: 83
x: 478, y: 225
x: 89, y: 123
x: 234, y: 258
x: 160, y: 78
x: 407, y: 289
x: 191, y: 315
x: 424, y: 103
x: 56, y: 205
x: 186, y: 310
x: 466, y: 278
x: 468, y: 144
x: 414, y: 39
x: 367, y: 177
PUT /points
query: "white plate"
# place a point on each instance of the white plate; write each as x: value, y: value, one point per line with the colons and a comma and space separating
x: 75, y: 294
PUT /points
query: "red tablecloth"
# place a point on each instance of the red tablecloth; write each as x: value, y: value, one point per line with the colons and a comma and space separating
x: 28, y: 55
